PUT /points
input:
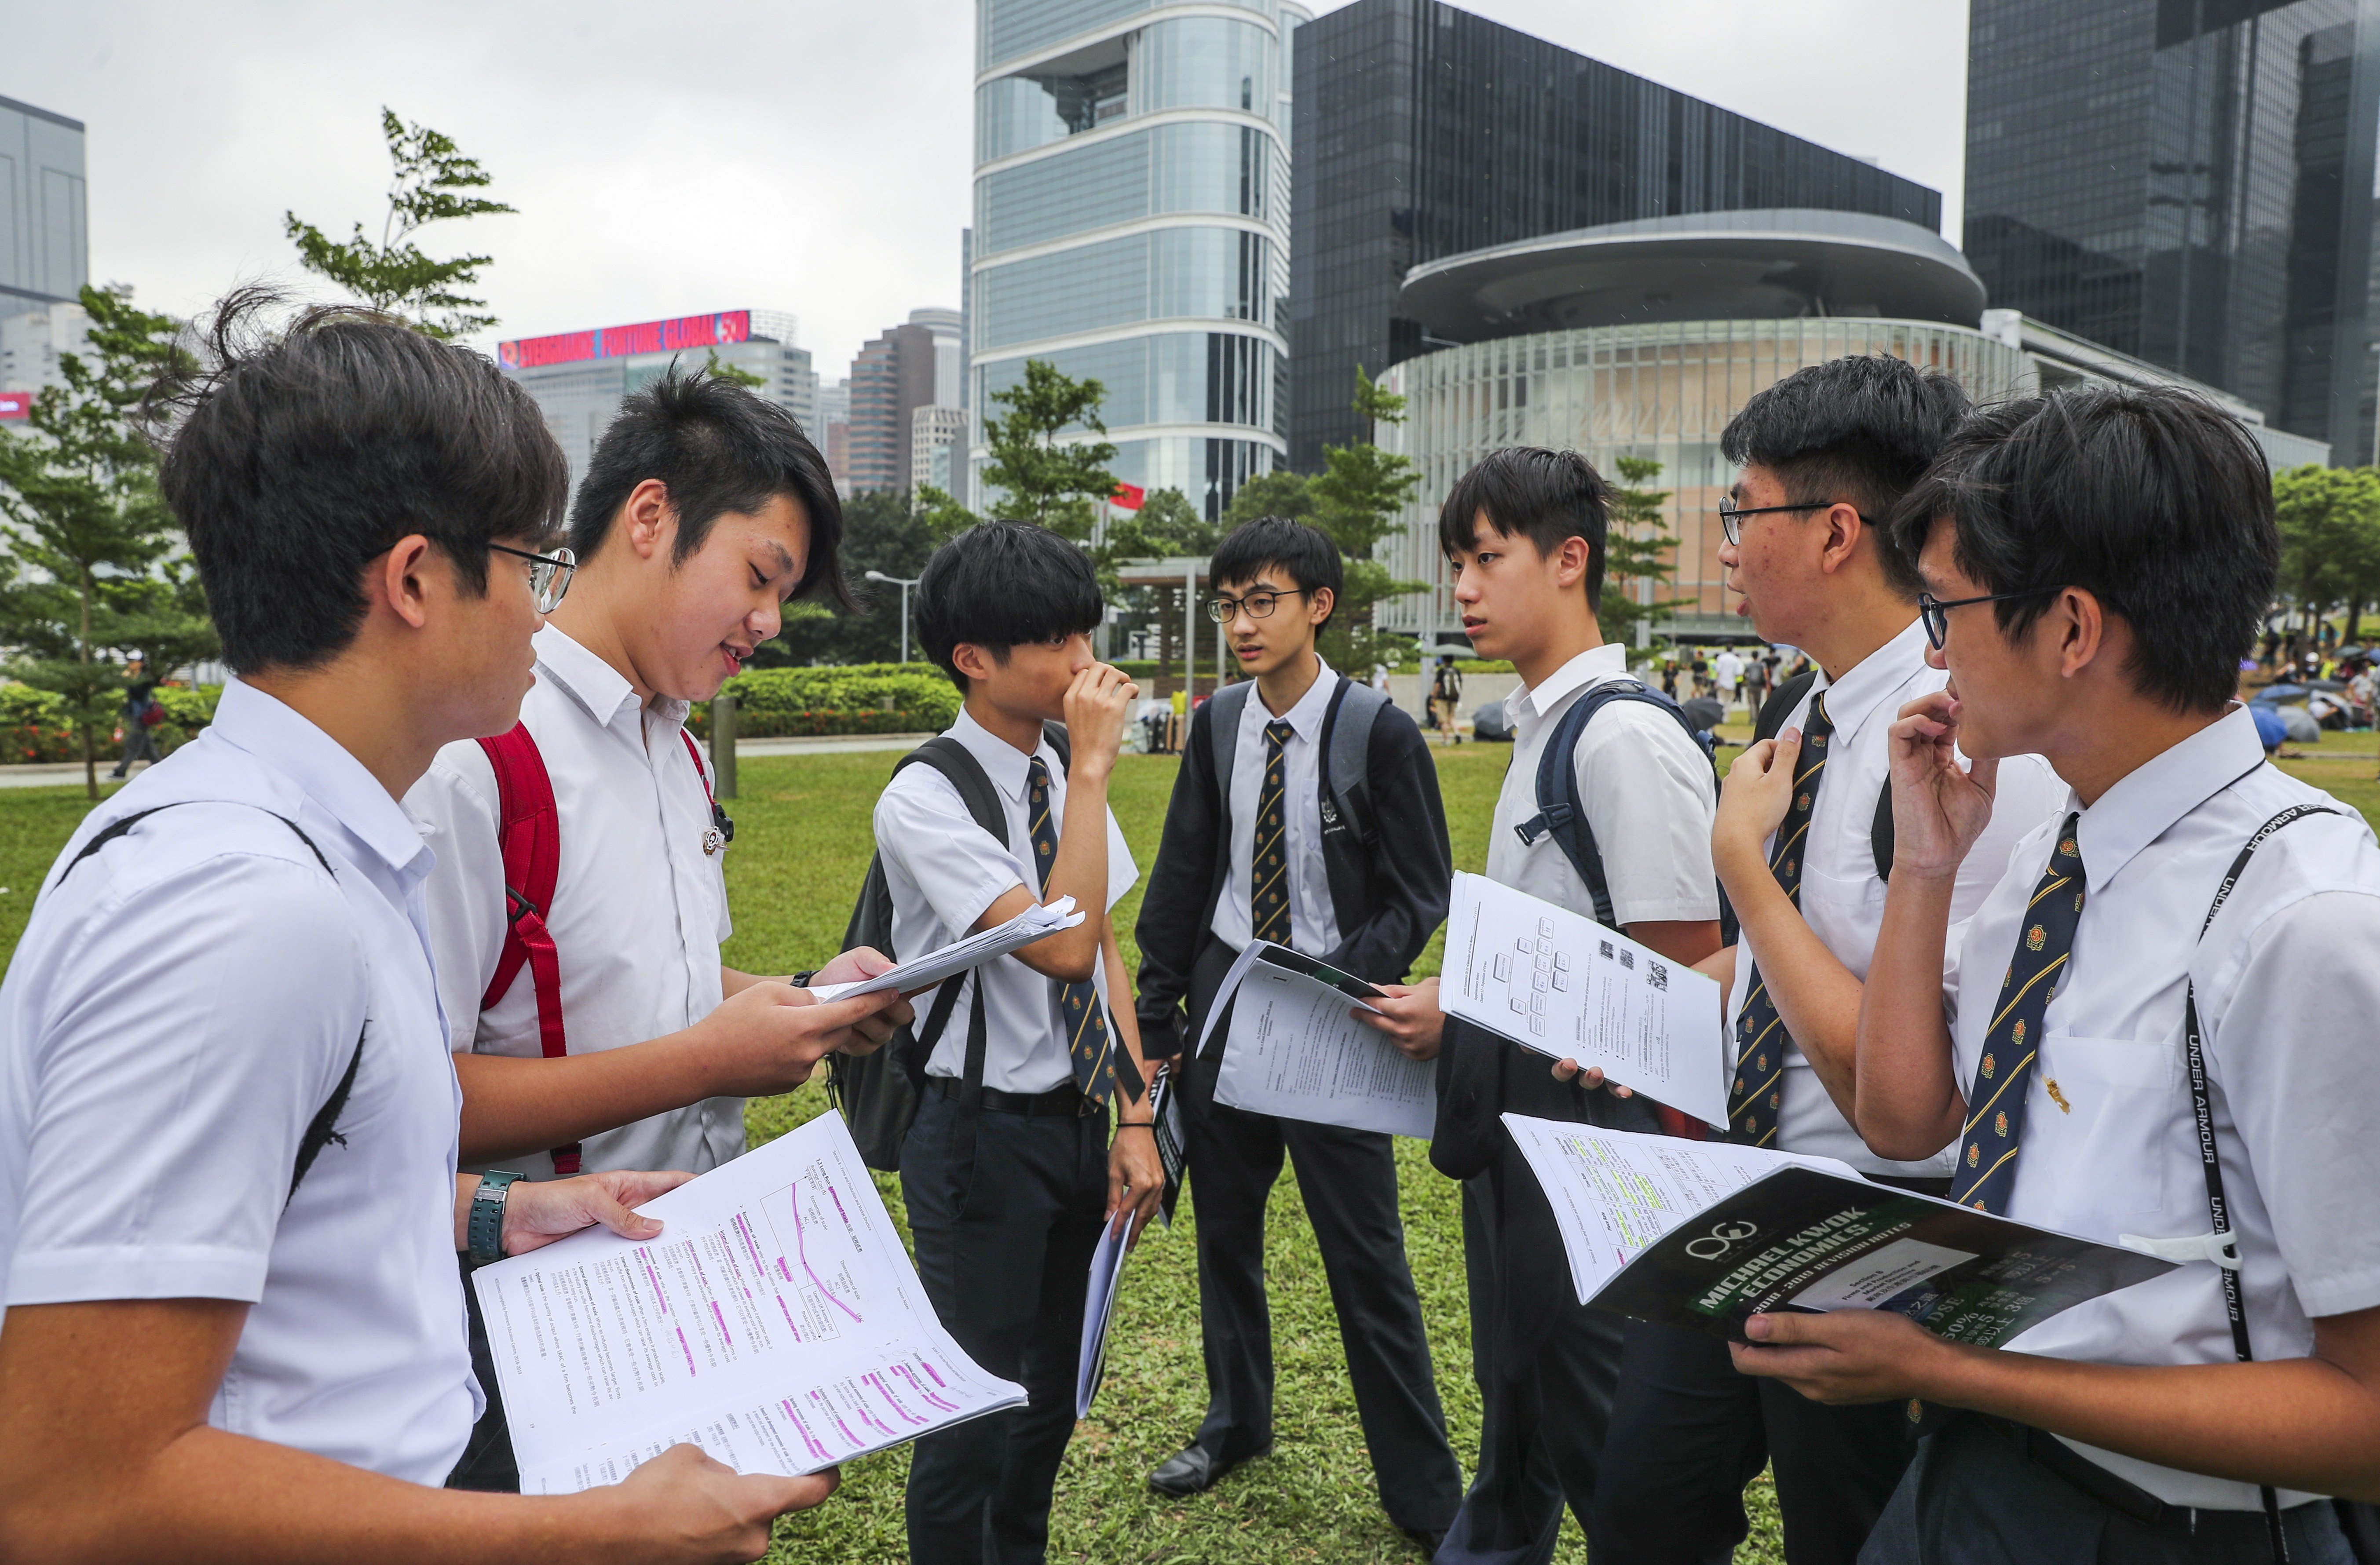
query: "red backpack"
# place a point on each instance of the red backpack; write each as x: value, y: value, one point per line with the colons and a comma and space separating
x: 528, y: 830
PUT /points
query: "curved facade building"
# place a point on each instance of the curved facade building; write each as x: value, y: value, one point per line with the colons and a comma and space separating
x: 1132, y: 225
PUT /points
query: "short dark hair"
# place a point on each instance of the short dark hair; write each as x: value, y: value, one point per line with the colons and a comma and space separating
x: 299, y: 457
x: 1861, y: 429
x: 999, y: 585
x: 2157, y: 502
x: 1303, y: 551
x: 716, y: 448
x: 1530, y: 492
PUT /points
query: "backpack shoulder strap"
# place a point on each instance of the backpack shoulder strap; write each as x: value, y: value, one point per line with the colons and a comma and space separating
x: 966, y: 774
x: 529, y: 835
x: 1780, y: 704
x: 1346, y: 752
x: 1560, y: 811
x: 1223, y: 709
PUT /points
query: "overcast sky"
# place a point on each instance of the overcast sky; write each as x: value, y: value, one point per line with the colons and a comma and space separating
x: 811, y: 157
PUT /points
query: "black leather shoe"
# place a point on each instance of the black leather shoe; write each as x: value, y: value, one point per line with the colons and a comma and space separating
x: 1427, y: 1541
x: 1191, y: 1471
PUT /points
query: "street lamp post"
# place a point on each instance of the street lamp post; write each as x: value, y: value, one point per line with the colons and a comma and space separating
x: 904, y: 584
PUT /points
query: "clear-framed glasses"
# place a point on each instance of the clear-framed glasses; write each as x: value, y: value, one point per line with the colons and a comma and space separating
x: 549, y: 575
x: 1260, y: 604
x: 1937, y: 614
x: 1731, y: 515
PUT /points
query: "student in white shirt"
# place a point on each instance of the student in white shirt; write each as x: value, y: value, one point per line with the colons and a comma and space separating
x: 1524, y: 531
x: 1729, y: 667
x: 2096, y: 563
x: 704, y: 512
x: 1008, y: 1172
x: 1825, y: 455
x: 227, y: 1122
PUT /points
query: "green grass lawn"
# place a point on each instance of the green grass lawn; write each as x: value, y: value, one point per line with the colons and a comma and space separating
x: 802, y: 844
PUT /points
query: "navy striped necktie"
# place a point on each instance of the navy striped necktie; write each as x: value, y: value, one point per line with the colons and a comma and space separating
x: 1758, y: 1090
x: 1088, y: 1045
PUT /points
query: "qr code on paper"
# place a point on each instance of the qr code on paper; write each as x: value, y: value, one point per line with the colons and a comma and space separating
x: 1605, y: 946
x: 1628, y: 960
x: 1657, y: 976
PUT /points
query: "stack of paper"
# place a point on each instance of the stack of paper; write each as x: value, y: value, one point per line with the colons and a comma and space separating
x: 1036, y: 922
x: 1296, y: 1050
x: 776, y: 1323
x: 1099, y: 1307
x: 1565, y: 986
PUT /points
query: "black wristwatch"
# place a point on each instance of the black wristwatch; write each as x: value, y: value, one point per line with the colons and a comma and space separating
x: 802, y: 980
x: 487, y: 1226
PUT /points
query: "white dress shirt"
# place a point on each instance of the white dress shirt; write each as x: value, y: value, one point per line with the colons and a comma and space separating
x: 1843, y: 900
x: 1649, y: 794
x: 1313, y: 919
x: 2287, y: 992
x: 943, y: 871
x: 639, y: 908
x: 180, y: 1008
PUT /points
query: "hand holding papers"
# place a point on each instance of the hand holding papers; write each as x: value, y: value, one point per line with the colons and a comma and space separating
x: 1704, y: 1235
x: 1565, y: 986
x: 776, y: 1323
x: 1035, y: 923
x: 1296, y: 1050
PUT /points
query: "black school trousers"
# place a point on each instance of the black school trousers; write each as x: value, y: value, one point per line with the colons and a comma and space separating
x: 1348, y: 1179
x: 1003, y: 1240
x: 1543, y: 1418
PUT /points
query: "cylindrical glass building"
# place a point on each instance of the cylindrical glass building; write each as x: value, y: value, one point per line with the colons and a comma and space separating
x: 1132, y: 225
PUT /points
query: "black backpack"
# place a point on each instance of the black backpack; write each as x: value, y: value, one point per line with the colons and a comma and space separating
x: 1346, y: 749
x: 1773, y: 712
x: 878, y: 1093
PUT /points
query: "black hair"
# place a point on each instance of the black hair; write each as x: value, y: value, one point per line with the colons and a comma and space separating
x: 300, y: 456
x: 716, y: 448
x: 1529, y: 491
x: 2157, y: 502
x: 1304, y: 552
x: 1001, y: 585
x: 1860, y: 429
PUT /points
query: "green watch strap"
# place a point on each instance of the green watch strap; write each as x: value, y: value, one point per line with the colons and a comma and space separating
x: 487, y: 1228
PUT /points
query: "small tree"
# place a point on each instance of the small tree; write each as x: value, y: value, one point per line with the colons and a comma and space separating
x: 95, y: 579
x: 1359, y: 499
x: 1056, y: 485
x: 2329, y: 521
x: 718, y: 369
x: 1278, y: 493
x: 1639, y: 547
x: 1166, y: 526
x: 431, y: 174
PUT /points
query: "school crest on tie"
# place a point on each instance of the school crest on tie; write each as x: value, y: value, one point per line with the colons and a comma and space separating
x: 2035, y: 938
x: 1989, y: 1065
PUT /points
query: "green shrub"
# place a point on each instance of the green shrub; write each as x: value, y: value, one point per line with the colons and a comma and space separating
x: 866, y: 698
x: 33, y: 727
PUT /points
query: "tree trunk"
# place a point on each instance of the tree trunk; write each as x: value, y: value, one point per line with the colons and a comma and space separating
x: 2354, y: 616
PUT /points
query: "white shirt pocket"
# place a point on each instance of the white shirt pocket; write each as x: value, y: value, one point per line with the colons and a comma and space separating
x: 2096, y: 1132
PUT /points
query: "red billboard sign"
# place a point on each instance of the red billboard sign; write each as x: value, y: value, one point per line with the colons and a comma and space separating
x: 16, y: 404
x: 618, y: 342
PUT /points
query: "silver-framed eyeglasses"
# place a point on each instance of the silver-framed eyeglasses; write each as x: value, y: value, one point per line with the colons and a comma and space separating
x: 1260, y: 604
x: 549, y: 575
x: 1731, y: 515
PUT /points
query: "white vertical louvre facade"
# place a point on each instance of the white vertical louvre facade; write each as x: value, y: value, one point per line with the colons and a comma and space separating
x: 1659, y: 391
x: 1132, y: 226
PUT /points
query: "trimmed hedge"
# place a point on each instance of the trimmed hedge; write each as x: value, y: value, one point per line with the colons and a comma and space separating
x: 862, y: 699
x: 32, y: 725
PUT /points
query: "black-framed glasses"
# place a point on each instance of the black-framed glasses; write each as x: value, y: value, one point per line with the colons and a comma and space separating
x: 1937, y: 614
x: 1260, y: 604
x: 1731, y: 515
x: 549, y: 575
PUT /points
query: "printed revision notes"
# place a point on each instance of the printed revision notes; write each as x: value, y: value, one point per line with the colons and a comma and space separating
x: 1705, y: 1235
x: 924, y: 971
x: 1296, y: 1050
x: 776, y: 1323
x: 1565, y: 986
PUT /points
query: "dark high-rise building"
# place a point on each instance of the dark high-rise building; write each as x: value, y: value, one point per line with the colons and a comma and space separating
x: 2188, y: 181
x: 1421, y: 131
x: 910, y: 366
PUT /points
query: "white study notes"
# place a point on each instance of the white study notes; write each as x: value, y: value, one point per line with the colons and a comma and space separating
x: 776, y: 1323
x: 1098, y: 1309
x: 1561, y: 984
x: 1035, y: 923
x: 1297, y: 1052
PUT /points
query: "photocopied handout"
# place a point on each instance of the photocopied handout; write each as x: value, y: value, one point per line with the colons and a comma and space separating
x: 776, y: 1323
x: 1036, y: 922
x: 1099, y: 1309
x: 1296, y: 1050
x: 1565, y: 986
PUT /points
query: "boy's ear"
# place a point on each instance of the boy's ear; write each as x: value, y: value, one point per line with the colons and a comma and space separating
x: 1319, y: 604
x: 648, y: 521
x: 974, y: 661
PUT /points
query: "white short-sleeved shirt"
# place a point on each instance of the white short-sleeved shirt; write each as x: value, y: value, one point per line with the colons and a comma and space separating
x: 1313, y: 918
x: 1729, y: 667
x: 639, y: 907
x: 1649, y: 793
x: 1843, y: 899
x: 943, y: 871
x: 182, y: 1005
x: 2286, y: 989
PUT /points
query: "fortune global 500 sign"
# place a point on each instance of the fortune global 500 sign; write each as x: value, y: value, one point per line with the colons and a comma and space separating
x: 618, y: 342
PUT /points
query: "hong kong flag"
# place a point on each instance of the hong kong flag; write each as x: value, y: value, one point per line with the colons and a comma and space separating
x: 1127, y: 497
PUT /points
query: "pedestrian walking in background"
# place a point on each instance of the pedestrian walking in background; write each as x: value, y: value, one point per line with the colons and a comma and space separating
x: 141, y: 714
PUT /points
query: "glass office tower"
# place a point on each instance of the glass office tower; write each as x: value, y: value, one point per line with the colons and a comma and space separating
x: 44, y: 232
x: 2190, y: 182
x: 1424, y: 132
x: 1132, y: 225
